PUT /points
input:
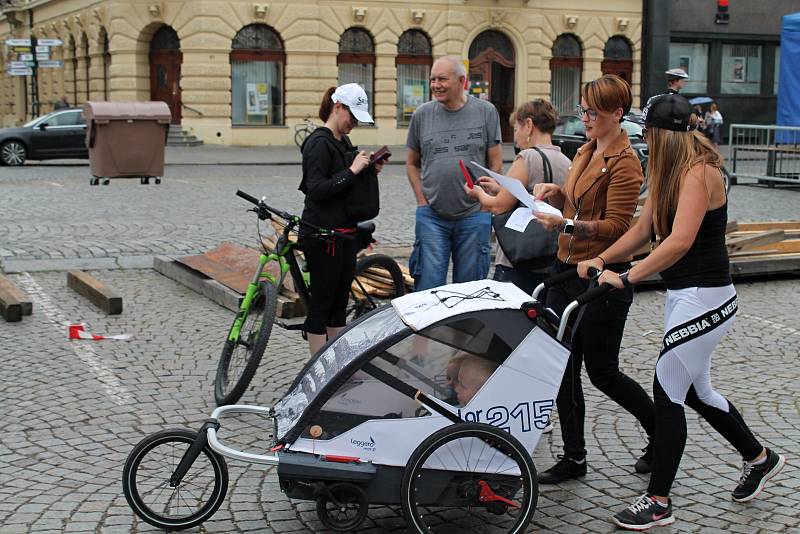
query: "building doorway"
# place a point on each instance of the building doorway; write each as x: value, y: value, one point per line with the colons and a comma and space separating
x: 491, y: 75
x: 165, y: 70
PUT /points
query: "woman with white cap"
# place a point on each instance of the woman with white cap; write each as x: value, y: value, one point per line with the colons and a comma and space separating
x: 332, y: 168
x: 687, y: 209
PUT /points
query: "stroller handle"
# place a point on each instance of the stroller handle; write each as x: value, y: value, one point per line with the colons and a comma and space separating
x: 217, y: 446
x: 561, y: 277
x: 580, y: 300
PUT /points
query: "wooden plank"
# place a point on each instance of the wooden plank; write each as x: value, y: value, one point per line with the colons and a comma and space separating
x: 738, y: 244
x: 770, y: 225
x: 7, y: 287
x: 198, y: 282
x: 96, y: 291
x: 10, y: 305
x: 787, y: 246
x: 731, y: 227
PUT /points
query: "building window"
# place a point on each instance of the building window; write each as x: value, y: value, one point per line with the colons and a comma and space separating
x: 693, y: 58
x: 741, y: 69
x: 777, y: 69
x: 413, y: 64
x: 565, y: 73
x: 257, y: 66
x: 618, y: 58
x: 356, y: 61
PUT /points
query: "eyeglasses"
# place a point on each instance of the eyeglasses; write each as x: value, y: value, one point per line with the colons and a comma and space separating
x: 581, y: 110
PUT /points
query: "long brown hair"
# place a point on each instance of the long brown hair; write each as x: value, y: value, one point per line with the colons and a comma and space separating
x: 671, y: 155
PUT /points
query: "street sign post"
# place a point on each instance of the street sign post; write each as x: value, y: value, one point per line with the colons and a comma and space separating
x: 27, y: 55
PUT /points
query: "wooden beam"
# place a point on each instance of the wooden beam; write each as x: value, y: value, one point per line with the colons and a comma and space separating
x: 737, y: 244
x: 96, y: 291
x: 7, y: 287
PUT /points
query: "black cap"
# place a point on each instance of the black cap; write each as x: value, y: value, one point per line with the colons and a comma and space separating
x: 670, y: 111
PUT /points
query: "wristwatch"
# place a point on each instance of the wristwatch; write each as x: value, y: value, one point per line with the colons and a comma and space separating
x: 624, y: 278
x: 569, y: 226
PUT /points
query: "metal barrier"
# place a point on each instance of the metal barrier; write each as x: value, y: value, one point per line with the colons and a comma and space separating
x: 765, y: 153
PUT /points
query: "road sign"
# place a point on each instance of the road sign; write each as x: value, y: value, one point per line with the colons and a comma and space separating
x: 51, y: 63
x: 49, y: 42
x: 26, y: 57
x: 18, y: 42
x: 17, y: 65
x: 42, y: 49
x: 18, y: 49
x: 20, y: 72
x: 42, y: 57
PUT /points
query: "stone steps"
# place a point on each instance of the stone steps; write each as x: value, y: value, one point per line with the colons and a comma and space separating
x: 177, y: 136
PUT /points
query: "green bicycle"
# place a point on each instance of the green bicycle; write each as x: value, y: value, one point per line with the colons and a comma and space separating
x: 248, y: 337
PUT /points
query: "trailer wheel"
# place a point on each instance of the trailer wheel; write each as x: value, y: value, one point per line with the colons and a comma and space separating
x: 343, y: 507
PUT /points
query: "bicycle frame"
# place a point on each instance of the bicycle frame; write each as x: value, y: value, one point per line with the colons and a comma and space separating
x: 284, y: 255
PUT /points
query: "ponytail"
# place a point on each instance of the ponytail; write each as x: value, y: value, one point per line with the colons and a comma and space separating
x: 326, y: 106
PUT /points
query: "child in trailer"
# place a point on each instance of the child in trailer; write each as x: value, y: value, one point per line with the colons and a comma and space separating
x: 687, y: 209
x: 472, y: 374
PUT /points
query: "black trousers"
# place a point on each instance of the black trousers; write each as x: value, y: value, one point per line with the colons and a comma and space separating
x: 332, y: 265
x: 596, y: 342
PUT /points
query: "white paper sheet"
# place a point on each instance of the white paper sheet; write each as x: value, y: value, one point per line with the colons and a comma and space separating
x: 515, y: 187
x: 519, y: 219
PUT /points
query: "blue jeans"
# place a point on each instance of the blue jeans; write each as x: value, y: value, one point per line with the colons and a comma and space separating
x: 436, y: 239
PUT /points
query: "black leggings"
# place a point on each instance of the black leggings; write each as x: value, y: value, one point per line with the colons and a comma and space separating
x: 332, y: 265
x: 596, y: 342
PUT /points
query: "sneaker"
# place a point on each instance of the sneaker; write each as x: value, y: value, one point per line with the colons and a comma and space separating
x: 755, y: 476
x: 643, y: 514
x: 645, y: 462
x: 565, y: 469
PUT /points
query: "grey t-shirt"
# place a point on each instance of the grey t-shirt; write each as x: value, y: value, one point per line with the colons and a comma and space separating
x: 443, y: 137
x: 559, y: 164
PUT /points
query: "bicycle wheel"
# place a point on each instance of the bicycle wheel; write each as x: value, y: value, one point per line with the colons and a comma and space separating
x: 145, y: 481
x: 300, y: 136
x: 240, y: 359
x: 378, y: 280
x: 469, y: 477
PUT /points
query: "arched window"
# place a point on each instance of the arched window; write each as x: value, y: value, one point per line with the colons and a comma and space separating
x: 618, y: 58
x: 73, y: 54
x: 413, y: 62
x: 356, y: 61
x: 106, y: 63
x: 566, y: 65
x: 87, y: 65
x: 257, y: 67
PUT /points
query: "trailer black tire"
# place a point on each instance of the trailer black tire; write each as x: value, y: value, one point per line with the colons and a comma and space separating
x: 464, y: 487
x: 137, y: 499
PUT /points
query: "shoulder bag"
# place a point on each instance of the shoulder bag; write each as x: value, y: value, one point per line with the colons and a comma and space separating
x: 534, y: 248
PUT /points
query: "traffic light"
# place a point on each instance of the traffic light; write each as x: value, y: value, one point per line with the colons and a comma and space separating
x: 723, y: 17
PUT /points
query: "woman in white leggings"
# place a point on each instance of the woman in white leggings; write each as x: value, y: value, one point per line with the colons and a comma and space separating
x: 687, y: 209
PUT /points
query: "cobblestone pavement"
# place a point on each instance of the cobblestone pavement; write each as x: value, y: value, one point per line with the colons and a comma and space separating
x: 73, y: 410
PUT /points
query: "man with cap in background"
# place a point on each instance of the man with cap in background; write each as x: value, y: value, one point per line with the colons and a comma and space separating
x: 676, y: 78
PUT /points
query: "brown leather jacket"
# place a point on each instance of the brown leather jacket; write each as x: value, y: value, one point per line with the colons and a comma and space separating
x: 600, y: 189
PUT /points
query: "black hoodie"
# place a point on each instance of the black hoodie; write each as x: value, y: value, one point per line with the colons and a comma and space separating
x: 326, y: 179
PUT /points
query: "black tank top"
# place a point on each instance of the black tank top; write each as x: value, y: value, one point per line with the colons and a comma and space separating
x: 706, y: 263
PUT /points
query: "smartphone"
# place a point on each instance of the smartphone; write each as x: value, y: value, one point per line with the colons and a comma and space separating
x: 380, y: 155
x: 468, y: 176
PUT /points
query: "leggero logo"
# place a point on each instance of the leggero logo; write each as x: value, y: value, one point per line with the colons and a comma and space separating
x: 525, y: 416
x: 364, y: 445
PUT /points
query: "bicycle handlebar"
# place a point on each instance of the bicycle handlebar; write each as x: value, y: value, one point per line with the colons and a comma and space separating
x: 289, y: 217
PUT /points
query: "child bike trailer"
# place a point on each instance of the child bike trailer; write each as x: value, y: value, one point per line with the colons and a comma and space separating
x: 433, y: 403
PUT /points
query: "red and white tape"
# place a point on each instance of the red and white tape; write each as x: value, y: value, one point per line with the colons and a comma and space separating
x: 78, y: 331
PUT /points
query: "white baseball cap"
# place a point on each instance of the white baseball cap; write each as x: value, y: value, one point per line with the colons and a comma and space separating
x: 354, y: 97
x: 677, y: 73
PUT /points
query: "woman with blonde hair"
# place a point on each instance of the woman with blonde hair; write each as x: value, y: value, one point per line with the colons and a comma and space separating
x: 598, y: 202
x: 687, y: 209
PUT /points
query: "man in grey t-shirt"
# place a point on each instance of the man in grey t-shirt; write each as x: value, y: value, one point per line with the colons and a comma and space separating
x: 451, y: 127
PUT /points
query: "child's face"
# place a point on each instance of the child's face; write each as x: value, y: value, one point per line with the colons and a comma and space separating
x: 467, y: 385
x: 451, y: 375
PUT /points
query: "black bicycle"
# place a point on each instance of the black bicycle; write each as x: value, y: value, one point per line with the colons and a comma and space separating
x: 378, y: 280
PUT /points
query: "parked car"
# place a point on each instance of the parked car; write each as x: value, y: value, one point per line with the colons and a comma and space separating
x: 60, y: 134
x: 570, y: 135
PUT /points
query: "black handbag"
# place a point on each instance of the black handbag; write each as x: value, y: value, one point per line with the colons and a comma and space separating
x: 362, y: 200
x: 534, y: 248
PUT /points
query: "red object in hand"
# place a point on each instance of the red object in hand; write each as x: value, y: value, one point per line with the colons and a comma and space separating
x: 466, y: 173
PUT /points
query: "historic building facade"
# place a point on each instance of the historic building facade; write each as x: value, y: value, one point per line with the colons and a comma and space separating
x: 246, y: 73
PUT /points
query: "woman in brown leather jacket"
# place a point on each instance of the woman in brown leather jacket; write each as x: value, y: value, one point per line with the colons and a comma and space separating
x: 598, y: 202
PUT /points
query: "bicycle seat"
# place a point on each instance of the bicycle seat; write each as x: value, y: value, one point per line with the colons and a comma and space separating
x: 366, y: 227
